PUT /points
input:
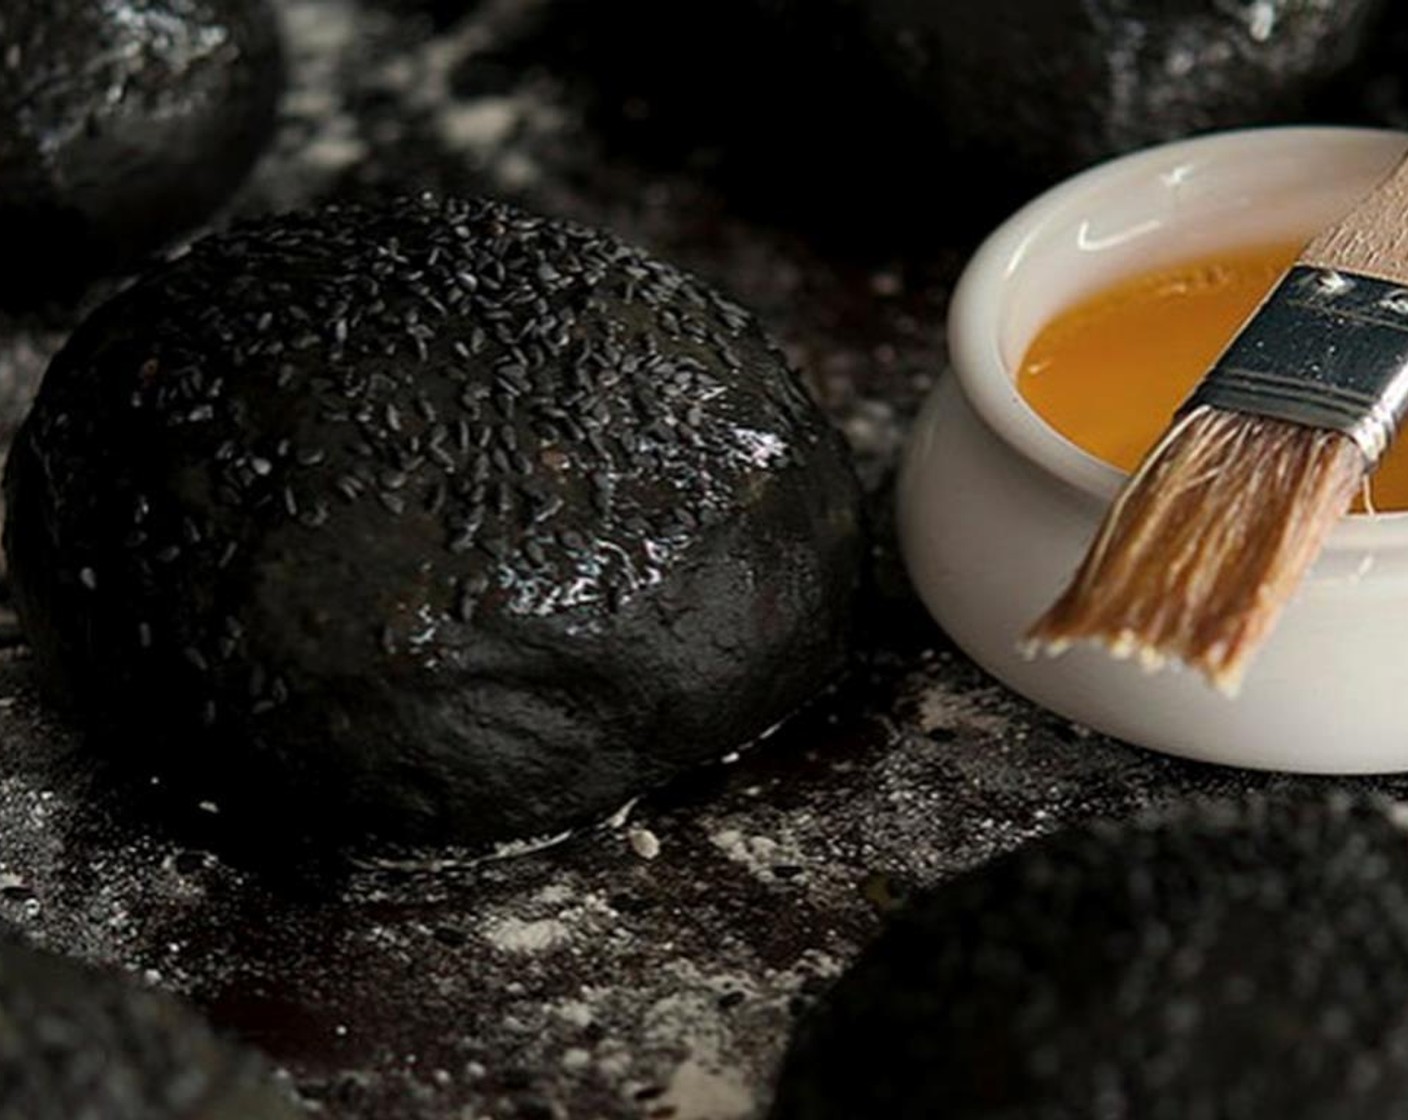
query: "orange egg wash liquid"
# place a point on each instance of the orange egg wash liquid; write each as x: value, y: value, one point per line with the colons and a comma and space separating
x: 1109, y: 372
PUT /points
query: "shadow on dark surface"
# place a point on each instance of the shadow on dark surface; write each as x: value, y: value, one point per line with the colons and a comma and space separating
x: 795, y: 128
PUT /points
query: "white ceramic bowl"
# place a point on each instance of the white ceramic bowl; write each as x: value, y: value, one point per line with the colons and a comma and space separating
x: 996, y: 508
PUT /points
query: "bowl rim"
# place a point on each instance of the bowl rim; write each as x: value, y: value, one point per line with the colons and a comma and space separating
x: 974, y: 314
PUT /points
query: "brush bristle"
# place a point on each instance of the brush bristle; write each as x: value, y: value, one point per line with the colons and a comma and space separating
x: 1206, y: 543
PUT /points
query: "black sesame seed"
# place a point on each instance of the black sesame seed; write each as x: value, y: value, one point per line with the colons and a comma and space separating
x: 465, y: 604
x: 547, y: 509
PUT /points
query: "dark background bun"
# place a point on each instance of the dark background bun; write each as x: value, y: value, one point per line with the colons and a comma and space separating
x: 121, y: 126
x: 1231, y: 959
x: 82, y: 1041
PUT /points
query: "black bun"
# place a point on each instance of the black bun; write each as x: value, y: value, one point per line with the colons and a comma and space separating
x: 1044, y: 87
x: 121, y: 125
x: 436, y: 522
x: 77, y: 1041
x: 1229, y: 961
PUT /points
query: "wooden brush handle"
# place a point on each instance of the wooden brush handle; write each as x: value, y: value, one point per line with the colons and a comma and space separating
x: 1372, y: 239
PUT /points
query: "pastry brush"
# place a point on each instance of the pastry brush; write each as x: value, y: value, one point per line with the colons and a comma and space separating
x: 1211, y: 536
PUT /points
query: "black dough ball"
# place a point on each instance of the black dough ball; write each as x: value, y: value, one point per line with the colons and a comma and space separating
x: 1229, y: 961
x: 123, y: 123
x: 1044, y: 87
x: 76, y: 1041
x: 435, y: 522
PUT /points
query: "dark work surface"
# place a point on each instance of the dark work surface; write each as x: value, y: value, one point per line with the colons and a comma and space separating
x: 652, y: 967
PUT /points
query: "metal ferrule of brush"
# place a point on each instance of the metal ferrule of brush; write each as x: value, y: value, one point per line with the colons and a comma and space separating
x: 1326, y: 349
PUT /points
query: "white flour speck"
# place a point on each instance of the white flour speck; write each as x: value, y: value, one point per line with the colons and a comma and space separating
x: 697, y: 1092
x: 513, y: 935
x: 644, y: 843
